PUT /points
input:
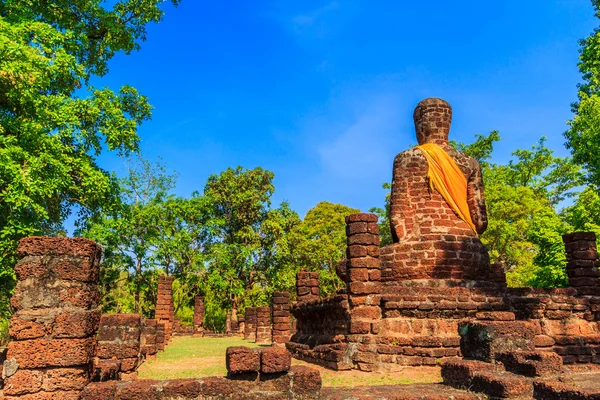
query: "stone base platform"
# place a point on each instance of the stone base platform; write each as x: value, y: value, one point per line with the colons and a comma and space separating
x: 399, y: 392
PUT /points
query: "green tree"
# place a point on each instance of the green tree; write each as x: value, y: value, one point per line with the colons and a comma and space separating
x: 53, y: 122
x: 248, y: 234
x: 583, y: 135
x: 182, y: 242
x: 524, y: 230
x: 130, y: 232
x: 321, y: 242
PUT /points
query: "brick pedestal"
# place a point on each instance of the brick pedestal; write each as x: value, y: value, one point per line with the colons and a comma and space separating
x: 582, y: 262
x: 198, y: 314
x: 281, y: 317
x: 54, y: 326
x: 250, y: 324
x: 164, y: 305
x: 307, y: 286
x: 263, y: 325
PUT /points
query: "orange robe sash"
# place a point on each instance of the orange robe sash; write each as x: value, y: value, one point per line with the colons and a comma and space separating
x: 445, y: 176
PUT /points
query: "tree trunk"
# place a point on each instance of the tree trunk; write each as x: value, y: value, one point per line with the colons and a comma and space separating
x: 138, y: 278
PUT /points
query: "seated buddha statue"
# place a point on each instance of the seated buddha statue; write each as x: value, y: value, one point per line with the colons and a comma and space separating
x: 437, y: 206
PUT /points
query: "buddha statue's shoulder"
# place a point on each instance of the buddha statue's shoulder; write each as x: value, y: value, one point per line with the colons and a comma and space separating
x: 410, y: 157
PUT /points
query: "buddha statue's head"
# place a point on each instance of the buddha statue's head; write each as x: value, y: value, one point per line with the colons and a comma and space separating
x: 432, y: 121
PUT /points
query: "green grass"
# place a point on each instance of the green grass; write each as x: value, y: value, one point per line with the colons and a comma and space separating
x: 196, y: 357
x: 190, y: 357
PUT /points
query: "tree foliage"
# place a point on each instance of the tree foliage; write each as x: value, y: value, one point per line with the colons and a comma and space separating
x: 524, y: 230
x: 583, y: 135
x: 320, y: 242
x: 53, y: 122
x: 249, y: 235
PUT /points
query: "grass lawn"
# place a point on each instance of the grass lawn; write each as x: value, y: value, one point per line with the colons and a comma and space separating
x: 196, y: 357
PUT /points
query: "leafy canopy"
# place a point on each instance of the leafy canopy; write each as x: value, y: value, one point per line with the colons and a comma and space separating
x: 53, y: 122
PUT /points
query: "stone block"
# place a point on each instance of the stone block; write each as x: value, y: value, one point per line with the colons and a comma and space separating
x: 241, y: 360
x: 531, y: 363
x: 306, y: 382
x: 482, y: 340
x: 40, y: 353
x: 501, y: 385
x: 105, y: 370
x: 274, y: 360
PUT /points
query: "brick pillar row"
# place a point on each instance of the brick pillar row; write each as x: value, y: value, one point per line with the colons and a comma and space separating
x: 53, y: 330
x: 281, y: 317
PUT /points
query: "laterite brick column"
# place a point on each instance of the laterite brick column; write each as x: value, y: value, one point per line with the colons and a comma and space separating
x: 54, y: 326
x: 307, y: 286
x: 198, y: 314
x: 363, y: 280
x: 281, y: 317
x: 250, y: 328
x: 164, y: 305
x: 263, y: 325
x: 582, y: 262
x: 241, y: 326
x: 228, y: 322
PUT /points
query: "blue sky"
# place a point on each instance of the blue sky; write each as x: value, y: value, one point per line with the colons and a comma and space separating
x: 322, y: 92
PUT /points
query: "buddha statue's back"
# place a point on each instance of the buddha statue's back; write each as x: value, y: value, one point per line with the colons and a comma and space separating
x: 431, y: 240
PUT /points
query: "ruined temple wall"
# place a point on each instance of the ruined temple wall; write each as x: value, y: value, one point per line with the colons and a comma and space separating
x: 416, y: 322
x: 53, y: 329
x: 118, y: 349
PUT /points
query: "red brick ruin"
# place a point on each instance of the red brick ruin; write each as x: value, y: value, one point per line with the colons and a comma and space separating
x: 54, y: 327
x: 429, y: 299
x: 62, y: 348
x: 432, y: 297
